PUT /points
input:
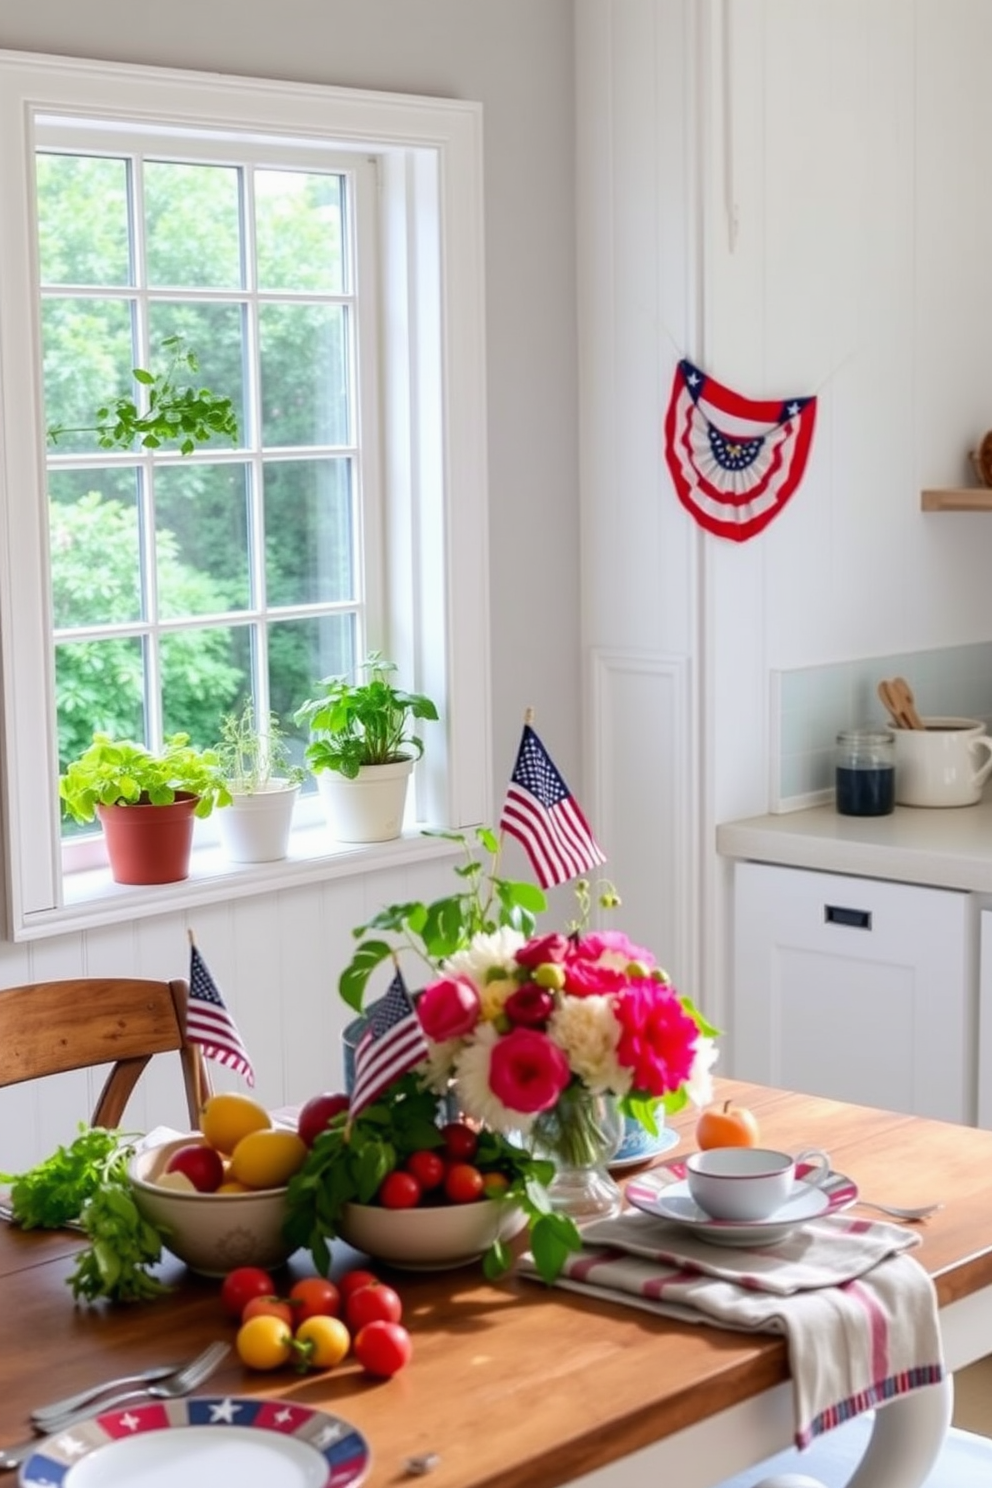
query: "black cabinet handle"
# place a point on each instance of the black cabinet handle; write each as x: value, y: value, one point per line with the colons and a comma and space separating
x: 855, y: 919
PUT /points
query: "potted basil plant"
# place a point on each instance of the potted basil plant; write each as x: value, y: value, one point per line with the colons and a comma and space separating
x: 145, y: 802
x: 263, y: 784
x: 362, y: 749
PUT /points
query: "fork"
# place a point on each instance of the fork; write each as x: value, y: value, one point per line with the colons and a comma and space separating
x: 45, y: 1414
x: 183, y: 1382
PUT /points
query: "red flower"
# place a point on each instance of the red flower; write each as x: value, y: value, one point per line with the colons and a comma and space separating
x: 657, y: 1039
x: 527, y: 1072
x: 449, y: 1009
x: 543, y: 949
x: 530, y: 1006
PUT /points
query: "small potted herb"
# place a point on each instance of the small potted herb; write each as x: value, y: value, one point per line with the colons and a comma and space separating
x: 145, y: 802
x: 263, y: 784
x: 362, y: 748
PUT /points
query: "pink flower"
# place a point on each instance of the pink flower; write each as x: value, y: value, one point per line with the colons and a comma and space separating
x: 600, y: 963
x: 530, y: 1006
x: 657, y: 1037
x: 449, y: 1009
x: 543, y: 949
x: 527, y: 1071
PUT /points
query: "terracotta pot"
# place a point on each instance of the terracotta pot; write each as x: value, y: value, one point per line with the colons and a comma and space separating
x: 149, y: 844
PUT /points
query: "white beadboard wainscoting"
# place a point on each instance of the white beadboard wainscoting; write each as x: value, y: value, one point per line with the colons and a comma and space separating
x: 275, y: 957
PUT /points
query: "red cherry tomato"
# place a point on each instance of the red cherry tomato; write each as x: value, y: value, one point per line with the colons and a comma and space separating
x: 243, y: 1283
x: 463, y: 1184
x: 399, y: 1190
x: 352, y: 1280
x: 276, y: 1307
x: 313, y: 1296
x: 460, y: 1141
x: 382, y: 1348
x: 427, y: 1166
x: 374, y: 1303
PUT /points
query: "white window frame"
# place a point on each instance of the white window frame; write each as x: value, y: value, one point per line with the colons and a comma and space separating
x: 429, y: 153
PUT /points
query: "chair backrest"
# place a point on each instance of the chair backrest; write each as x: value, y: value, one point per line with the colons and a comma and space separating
x: 49, y: 1028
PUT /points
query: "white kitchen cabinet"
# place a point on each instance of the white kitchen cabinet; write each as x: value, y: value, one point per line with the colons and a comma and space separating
x: 984, y: 1032
x: 859, y: 989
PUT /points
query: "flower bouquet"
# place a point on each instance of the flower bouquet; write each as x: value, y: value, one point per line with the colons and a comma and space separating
x: 543, y: 1042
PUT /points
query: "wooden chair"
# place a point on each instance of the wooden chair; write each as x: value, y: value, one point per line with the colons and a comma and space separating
x: 49, y: 1028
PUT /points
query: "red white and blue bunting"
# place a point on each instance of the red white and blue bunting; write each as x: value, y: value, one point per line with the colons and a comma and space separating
x: 735, y: 462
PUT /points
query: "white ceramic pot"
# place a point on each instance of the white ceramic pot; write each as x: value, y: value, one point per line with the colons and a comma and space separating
x: 945, y: 763
x: 369, y: 808
x: 255, y: 827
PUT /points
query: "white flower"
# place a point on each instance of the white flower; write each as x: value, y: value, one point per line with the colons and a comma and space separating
x: 486, y: 953
x: 699, y: 1086
x: 474, y: 1095
x: 585, y: 1028
x: 435, y: 1071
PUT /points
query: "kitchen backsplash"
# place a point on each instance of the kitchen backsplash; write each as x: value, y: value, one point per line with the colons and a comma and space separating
x: 811, y: 704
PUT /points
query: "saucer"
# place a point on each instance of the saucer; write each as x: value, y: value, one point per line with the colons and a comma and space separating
x: 664, y: 1193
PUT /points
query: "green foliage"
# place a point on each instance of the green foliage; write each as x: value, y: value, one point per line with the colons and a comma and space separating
x: 435, y: 931
x: 119, y: 772
x: 174, y: 410
x: 87, y: 1184
x: 356, y: 723
x: 251, y: 756
x: 349, y: 1160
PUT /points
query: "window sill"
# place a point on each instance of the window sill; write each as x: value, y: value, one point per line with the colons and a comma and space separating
x: 92, y: 898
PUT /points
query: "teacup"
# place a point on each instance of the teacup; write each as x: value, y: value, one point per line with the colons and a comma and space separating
x: 945, y: 763
x: 749, y: 1183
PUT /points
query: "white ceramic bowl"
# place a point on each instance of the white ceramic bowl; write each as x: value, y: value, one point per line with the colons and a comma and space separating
x: 430, y: 1239
x: 212, y: 1233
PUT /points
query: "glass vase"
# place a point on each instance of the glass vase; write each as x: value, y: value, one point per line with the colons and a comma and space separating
x: 580, y: 1134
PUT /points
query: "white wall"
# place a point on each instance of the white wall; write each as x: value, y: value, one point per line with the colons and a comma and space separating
x: 790, y: 194
x: 277, y: 959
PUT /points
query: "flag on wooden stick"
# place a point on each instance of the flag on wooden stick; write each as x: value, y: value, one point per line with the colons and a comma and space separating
x: 541, y: 812
x: 392, y: 1043
x: 208, y: 1022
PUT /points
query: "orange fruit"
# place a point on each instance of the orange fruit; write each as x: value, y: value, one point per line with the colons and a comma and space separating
x: 728, y: 1125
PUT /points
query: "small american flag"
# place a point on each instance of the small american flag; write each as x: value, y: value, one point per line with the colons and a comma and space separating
x: 541, y: 813
x: 392, y: 1043
x: 209, y: 1024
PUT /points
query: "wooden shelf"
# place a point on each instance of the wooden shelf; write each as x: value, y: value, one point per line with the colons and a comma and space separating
x: 965, y: 498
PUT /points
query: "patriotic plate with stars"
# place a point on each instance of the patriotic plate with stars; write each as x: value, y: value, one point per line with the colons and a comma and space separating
x: 205, y: 1441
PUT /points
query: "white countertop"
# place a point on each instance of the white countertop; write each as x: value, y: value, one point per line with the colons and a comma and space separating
x: 950, y: 848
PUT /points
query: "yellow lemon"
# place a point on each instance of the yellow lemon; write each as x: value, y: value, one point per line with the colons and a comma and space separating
x: 267, y: 1159
x: 230, y: 1185
x: 227, y: 1117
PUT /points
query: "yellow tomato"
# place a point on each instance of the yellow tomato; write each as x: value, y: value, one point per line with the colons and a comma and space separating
x: 264, y: 1343
x: 321, y: 1342
x: 267, y: 1159
x: 227, y: 1117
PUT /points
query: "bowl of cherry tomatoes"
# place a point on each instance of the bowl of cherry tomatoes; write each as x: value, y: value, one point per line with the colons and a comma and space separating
x: 434, y: 1237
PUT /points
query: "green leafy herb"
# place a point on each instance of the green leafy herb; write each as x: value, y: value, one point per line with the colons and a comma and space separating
x: 86, y: 1183
x: 348, y: 1162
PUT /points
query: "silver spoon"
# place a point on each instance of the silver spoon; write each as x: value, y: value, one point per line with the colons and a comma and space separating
x: 922, y: 1211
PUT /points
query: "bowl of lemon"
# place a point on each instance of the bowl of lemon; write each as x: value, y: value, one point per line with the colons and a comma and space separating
x: 217, y: 1196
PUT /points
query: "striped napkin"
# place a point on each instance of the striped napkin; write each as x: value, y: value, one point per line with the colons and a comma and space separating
x: 859, y: 1314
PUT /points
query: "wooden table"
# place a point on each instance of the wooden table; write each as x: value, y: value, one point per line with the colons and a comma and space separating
x: 519, y: 1386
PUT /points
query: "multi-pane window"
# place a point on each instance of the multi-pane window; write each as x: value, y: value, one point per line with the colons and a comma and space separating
x: 321, y: 252
x: 182, y: 583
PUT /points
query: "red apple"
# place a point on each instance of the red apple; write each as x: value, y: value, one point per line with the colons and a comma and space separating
x: 316, y: 1113
x: 202, y: 1165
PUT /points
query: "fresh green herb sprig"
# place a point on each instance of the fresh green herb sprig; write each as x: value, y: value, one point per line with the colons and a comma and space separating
x: 348, y: 1162
x: 86, y: 1184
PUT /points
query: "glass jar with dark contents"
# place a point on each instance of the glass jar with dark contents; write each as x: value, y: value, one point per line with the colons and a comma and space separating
x: 866, y: 772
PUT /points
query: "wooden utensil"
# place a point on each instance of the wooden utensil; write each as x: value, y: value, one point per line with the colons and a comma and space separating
x: 891, y: 702
x: 906, y: 701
